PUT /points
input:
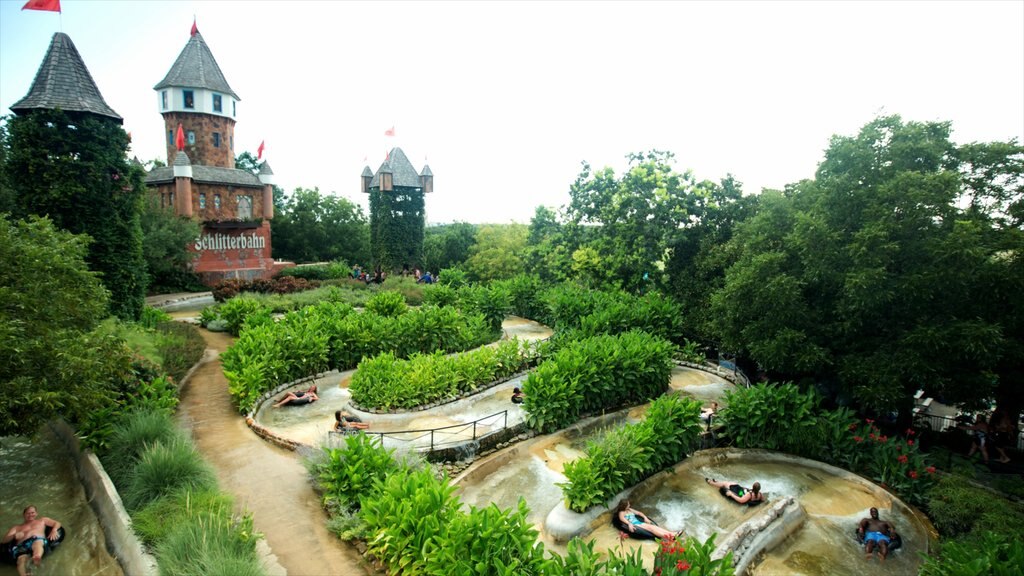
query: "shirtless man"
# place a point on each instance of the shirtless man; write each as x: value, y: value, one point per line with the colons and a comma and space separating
x: 31, y: 535
x: 875, y: 531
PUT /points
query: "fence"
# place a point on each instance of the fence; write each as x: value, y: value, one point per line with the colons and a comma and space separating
x: 943, y: 423
x: 430, y: 439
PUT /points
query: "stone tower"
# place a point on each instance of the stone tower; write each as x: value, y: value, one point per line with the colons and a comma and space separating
x: 200, y: 181
x: 397, y: 211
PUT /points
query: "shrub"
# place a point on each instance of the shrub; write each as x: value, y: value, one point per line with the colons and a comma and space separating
x: 993, y: 554
x: 440, y: 295
x: 165, y: 467
x: 213, y: 544
x: 692, y: 558
x: 343, y: 475
x: 157, y: 519
x: 627, y: 455
x: 237, y: 311
x: 961, y: 510
x: 595, y: 374
x: 330, y: 271
x: 387, y: 304
x: 181, y: 347
x: 132, y: 435
x: 773, y: 417
x: 152, y: 316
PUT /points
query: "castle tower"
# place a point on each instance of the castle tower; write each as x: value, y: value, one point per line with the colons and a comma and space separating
x: 195, y: 95
x: 397, y: 211
x: 200, y: 181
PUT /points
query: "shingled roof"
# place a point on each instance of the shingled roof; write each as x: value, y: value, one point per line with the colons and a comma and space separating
x: 196, y: 68
x: 64, y: 82
x: 403, y: 174
x: 207, y: 175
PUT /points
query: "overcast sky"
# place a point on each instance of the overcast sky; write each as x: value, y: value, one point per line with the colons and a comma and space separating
x: 505, y: 100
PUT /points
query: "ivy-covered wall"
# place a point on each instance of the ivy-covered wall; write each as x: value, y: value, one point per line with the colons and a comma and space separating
x: 397, y: 220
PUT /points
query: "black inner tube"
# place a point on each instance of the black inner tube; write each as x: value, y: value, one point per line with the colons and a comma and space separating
x: 10, y: 551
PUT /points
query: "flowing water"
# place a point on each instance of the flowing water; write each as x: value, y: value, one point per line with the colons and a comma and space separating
x: 40, y: 472
x: 269, y: 482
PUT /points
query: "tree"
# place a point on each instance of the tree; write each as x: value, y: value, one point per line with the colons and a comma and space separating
x: 699, y: 254
x: 316, y: 228
x: 548, y: 253
x: 447, y: 246
x: 870, y: 278
x: 73, y: 167
x: 166, y: 237
x: 51, y: 360
x: 497, y: 254
x: 632, y: 219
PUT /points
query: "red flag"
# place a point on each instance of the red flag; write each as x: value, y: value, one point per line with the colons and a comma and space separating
x: 390, y: 131
x: 179, y: 140
x: 259, y: 151
x: 45, y: 5
x: 194, y: 28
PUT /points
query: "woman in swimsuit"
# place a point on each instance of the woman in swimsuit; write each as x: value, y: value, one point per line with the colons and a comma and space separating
x: 738, y: 493
x: 307, y: 396
x: 633, y: 519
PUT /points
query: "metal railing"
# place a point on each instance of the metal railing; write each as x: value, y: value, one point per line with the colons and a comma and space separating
x: 943, y: 423
x: 445, y: 435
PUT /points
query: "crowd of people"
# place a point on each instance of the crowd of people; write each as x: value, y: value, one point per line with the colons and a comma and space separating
x: 379, y: 275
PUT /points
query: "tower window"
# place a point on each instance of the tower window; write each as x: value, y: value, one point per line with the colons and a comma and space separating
x: 170, y: 137
x: 163, y: 99
x: 216, y: 139
x: 217, y: 103
x: 202, y: 200
x: 216, y: 201
x: 191, y: 138
x: 190, y: 98
x: 232, y: 108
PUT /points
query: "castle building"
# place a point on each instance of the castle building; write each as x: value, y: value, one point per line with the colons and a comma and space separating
x: 397, y: 211
x: 200, y: 181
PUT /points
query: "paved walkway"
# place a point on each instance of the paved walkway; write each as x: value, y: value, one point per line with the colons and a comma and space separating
x: 269, y: 482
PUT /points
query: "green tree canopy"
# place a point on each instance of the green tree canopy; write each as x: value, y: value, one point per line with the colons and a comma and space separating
x: 315, y: 227
x: 871, y: 277
x: 166, y: 237
x: 73, y: 168
x: 51, y: 361
x: 447, y: 246
x: 497, y: 254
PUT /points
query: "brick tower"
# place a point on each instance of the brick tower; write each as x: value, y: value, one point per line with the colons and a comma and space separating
x: 200, y: 181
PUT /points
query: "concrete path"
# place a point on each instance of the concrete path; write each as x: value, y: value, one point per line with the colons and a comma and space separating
x: 269, y: 482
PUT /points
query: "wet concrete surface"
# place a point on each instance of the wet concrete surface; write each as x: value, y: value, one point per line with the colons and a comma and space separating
x: 269, y: 482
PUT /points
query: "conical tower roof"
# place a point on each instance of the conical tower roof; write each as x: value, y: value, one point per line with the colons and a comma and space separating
x: 64, y: 82
x: 196, y: 68
x: 403, y: 173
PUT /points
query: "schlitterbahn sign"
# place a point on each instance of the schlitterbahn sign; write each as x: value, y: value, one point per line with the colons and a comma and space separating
x: 225, y: 242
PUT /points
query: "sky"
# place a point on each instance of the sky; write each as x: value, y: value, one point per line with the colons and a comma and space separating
x: 506, y: 100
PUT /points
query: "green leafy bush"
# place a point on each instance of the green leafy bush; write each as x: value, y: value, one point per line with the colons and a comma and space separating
x: 238, y: 311
x: 343, y: 475
x: 964, y: 511
x: 692, y: 558
x: 594, y: 374
x: 181, y: 347
x: 992, y: 554
x: 387, y: 304
x: 627, y: 455
x: 131, y: 436
x: 152, y: 316
x: 329, y: 271
x: 385, y: 381
x: 440, y: 295
x: 774, y: 417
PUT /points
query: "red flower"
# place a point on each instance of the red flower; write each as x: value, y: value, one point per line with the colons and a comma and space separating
x: 869, y: 420
x: 857, y: 438
x: 872, y: 435
x: 623, y: 535
x: 902, y: 459
x: 883, y: 438
x: 910, y: 431
x: 910, y: 442
x: 657, y: 572
x: 853, y: 426
x: 930, y: 469
x: 913, y: 474
x: 682, y: 565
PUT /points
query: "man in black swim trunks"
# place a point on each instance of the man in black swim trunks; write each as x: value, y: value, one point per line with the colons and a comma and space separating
x: 875, y: 531
x: 31, y: 536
